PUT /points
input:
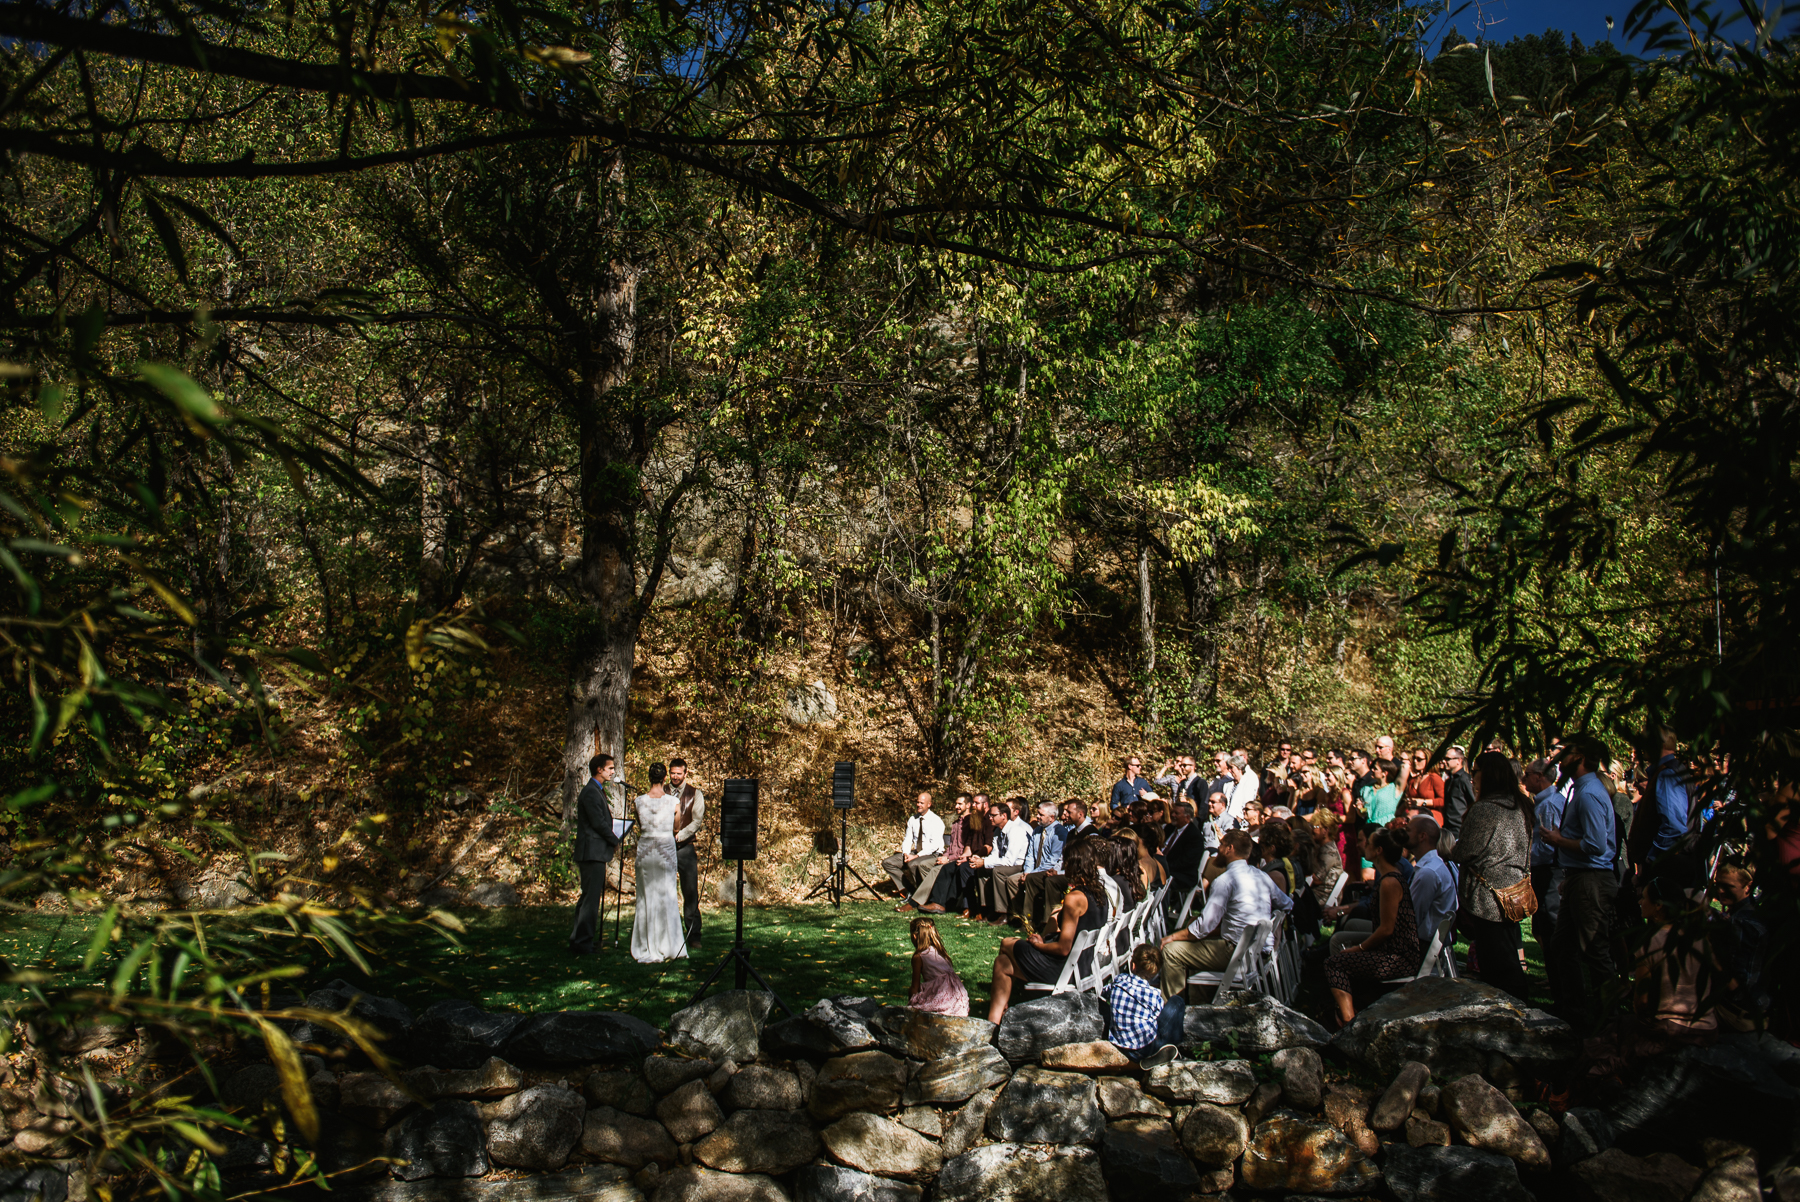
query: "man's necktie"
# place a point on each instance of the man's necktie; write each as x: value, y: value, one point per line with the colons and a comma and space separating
x: 918, y: 836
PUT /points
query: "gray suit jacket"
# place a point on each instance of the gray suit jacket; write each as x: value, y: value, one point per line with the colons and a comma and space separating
x: 594, y: 838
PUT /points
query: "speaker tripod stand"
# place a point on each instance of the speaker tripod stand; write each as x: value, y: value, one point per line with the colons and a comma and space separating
x: 835, y: 884
x: 739, y: 959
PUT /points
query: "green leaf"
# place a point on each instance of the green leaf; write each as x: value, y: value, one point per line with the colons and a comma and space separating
x: 101, y: 937
x: 167, y: 234
x: 183, y: 389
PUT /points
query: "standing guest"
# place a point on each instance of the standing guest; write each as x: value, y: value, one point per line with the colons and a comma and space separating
x: 1397, y: 768
x: 1579, y: 959
x: 595, y: 842
x: 690, y: 816
x: 1363, y: 779
x: 1392, y: 948
x: 1185, y: 848
x: 1245, y: 787
x: 1459, y: 790
x: 1660, y: 817
x: 1221, y: 781
x: 971, y: 839
x: 1424, y: 788
x: 1312, y: 795
x: 1433, y: 885
x: 1383, y: 801
x: 1494, y: 852
x: 920, y: 847
x: 1128, y: 789
x: 936, y: 987
x: 1142, y: 1023
x: 1042, y: 878
x: 1040, y: 960
x: 1747, y: 1001
x: 1238, y: 898
x: 1004, y: 865
x: 1546, y: 878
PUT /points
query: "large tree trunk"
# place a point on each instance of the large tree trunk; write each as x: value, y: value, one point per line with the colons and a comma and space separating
x: 1147, y: 629
x: 1202, y: 581
x: 436, y: 581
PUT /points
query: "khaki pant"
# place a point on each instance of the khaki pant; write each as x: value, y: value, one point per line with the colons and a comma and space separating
x: 905, y: 873
x: 928, y: 870
x: 1000, y: 889
x: 1184, y: 956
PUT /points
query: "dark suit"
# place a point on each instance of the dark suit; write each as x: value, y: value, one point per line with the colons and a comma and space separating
x: 1187, y: 845
x: 1459, y: 795
x: 595, y: 843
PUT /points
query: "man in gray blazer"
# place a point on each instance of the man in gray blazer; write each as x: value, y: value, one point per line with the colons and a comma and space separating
x: 595, y: 843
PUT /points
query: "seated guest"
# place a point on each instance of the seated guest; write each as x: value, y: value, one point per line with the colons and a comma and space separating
x: 920, y: 847
x: 935, y: 984
x: 950, y: 851
x: 1357, y: 917
x: 1037, y: 959
x: 1142, y: 1023
x: 1240, y: 897
x: 955, y: 887
x: 1392, y: 948
x: 1153, y: 869
x: 1253, y: 817
x: 1747, y: 1001
x: 1042, y: 884
x: 1275, y: 848
x: 1674, y: 977
x: 999, y: 871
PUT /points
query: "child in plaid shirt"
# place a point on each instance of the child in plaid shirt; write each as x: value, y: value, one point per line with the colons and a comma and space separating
x: 1142, y: 1024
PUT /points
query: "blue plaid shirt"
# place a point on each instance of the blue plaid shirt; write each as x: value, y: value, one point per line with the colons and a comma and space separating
x: 1136, y: 1006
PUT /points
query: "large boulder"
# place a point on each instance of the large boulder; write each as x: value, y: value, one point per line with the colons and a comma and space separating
x: 455, y: 1034
x: 867, y: 1081
x: 881, y: 1146
x: 759, y: 1087
x: 1017, y: 1173
x: 620, y: 1089
x: 830, y: 1028
x: 535, y: 1128
x: 391, y: 1018
x: 445, y: 1141
x: 494, y: 1079
x: 1732, y: 1179
x: 1225, y: 1082
x: 956, y: 1078
x: 1455, y: 1025
x: 565, y: 1037
x: 1215, y: 1136
x: 923, y: 1035
x: 725, y: 1026
x: 1302, y: 1075
x: 1451, y: 1174
x: 1029, y: 1028
x: 690, y: 1112
x: 759, y: 1141
x: 1253, y: 1024
x: 1396, y: 1105
x: 619, y: 1138
x: 666, y: 1074
x: 1347, y: 1109
x: 33, y: 1183
x: 1292, y: 1154
x: 1616, y: 1176
x: 968, y: 1125
x: 1122, y: 1098
x: 1041, y: 1107
x: 697, y: 1183
x: 1481, y: 1114
x: 1142, y: 1158
x: 835, y: 1183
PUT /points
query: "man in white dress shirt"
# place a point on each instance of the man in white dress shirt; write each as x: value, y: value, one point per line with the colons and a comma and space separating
x: 1245, y: 788
x: 1433, y: 881
x: 999, y: 872
x: 1239, y: 897
x: 919, y: 850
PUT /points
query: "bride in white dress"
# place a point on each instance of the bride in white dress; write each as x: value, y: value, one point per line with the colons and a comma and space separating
x: 656, y: 933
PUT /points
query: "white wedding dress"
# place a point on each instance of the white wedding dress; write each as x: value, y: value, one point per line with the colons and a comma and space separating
x: 656, y: 931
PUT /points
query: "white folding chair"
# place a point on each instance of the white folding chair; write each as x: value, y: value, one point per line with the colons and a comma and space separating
x: 1246, y: 966
x: 1439, y: 959
x: 1187, y: 907
x: 1066, y: 980
x: 1337, y: 889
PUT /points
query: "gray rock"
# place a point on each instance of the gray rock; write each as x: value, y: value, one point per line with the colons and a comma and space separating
x: 1424, y: 1132
x: 722, y: 1076
x: 1226, y: 1082
x: 723, y: 1026
x: 494, y: 895
x: 1047, y: 1022
x: 565, y: 1037
x: 619, y: 1138
x: 759, y: 1141
x: 246, y: 1088
x: 1401, y: 1096
x: 926, y: 1120
x: 455, y: 1034
x: 442, y: 897
x: 834, y: 1183
x: 759, y: 1087
x: 666, y: 1074
x: 831, y: 1028
x: 1453, y: 1174
x: 922, y: 1035
x: 810, y: 705
x: 621, y: 1090
x: 956, y: 1078
x: 1017, y: 1173
x: 1099, y: 1057
x: 690, y: 1112
x: 393, y: 1019
x: 323, y: 1087
x: 1733, y: 1179
x: 1428, y: 1100
x: 39, y: 1183
x: 1347, y: 1109
x: 882, y: 1147
x: 967, y: 1126
x: 372, y: 1097
x: 1481, y: 1114
x: 1302, y: 1075
x: 536, y: 1128
x: 494, y: 1079
x: 1142, y: 1158
x: 1615, y: 1176
x: 1121, y: 1098
x: 1454, y: 1025
x: 870, y: 1081
x: 696, y: 1183
x: 1296, y: 1155
x: 1214, y: 1136
x: 445, y: 1141
x: 1254, y: 1025
x: 1265, y: 1098
x: 592, y: 1183
x: 1041, y: 1107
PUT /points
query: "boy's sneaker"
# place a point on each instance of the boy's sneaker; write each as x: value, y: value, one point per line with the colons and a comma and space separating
x: 1161, y: 1056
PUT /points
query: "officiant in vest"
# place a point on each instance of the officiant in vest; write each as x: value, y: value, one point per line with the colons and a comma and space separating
x: 690, y: 812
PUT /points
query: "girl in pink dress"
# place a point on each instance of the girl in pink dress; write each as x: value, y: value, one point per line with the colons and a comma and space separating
x: 935, y: 985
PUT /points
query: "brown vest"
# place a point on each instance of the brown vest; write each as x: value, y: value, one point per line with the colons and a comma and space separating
x: 685, y: 812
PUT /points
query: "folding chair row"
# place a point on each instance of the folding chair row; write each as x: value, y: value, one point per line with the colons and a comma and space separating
x: 1439, y: 959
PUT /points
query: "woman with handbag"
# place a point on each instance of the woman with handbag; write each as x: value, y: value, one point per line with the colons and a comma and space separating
x: 1493, y: 853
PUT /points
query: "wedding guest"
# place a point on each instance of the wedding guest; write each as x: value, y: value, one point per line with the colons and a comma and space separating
x: 1084, y: 908
x: 1494, y: 852
x: 1041, y: 883
x: 1142, y: 1023
x: 955, y: 886
x: 952, y: 852
x: 1424, y: 788
x: 999, y: 872
x: 1240, y: 897
x: 1459, y: 790
x: 920, y: 847
x: 1185, y: 848
x: 935, y: 984
x: 1275, y: 848
x: 1392, y: 948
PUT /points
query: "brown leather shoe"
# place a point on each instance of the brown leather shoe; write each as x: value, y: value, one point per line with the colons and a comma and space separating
x: 932, y: 908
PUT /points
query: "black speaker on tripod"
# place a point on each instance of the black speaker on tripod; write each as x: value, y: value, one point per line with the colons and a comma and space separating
x: 843, y: 800
x: 737, y: 841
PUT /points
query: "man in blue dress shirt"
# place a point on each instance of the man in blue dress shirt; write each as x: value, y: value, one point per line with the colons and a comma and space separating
x: 1580, y: 959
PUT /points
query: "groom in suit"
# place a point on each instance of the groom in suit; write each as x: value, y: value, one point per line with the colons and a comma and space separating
x: 595, y: 843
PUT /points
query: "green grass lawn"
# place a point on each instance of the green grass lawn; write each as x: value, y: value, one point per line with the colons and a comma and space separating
x: 519, y: 959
